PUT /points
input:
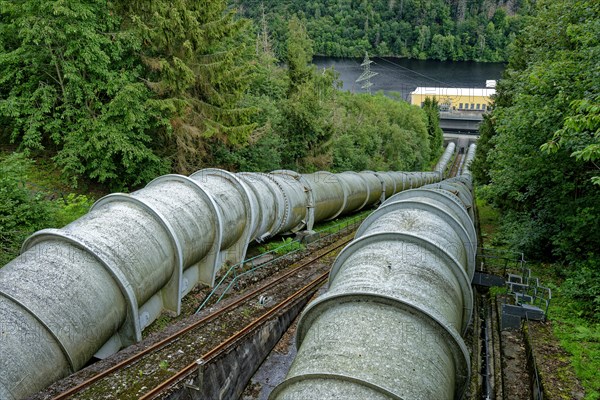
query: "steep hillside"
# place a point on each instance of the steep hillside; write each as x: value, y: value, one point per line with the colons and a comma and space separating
x: 427, y: 29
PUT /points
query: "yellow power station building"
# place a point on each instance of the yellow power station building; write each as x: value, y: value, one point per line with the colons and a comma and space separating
x: 455, y: 99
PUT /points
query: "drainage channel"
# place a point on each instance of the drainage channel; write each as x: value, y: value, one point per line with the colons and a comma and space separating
x: 486, y: 349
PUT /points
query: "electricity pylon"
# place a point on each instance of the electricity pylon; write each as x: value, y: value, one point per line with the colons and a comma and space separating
x: 367, y: 74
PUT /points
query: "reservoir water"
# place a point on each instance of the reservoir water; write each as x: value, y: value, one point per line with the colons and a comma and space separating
x: 404, y: 75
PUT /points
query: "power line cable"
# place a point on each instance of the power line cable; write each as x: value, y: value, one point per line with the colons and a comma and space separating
x: 415, y: 72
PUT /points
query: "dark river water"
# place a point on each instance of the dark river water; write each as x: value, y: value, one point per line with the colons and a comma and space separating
x: 404, y: 75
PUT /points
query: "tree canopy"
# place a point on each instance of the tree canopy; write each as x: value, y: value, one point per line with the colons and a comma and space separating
x: 120, y: 92
x: 433, y: 29
x: 69, y: 82
x: 540, y: 145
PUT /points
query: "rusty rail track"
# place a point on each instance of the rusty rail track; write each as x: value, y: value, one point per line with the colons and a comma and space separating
x: 319, y: 254
x: 456, y: 164
x: 207, y: 357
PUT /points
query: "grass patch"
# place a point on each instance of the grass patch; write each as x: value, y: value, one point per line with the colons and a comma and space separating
x: 579, y: 336
x: 338, y: 223
x: 489, y: 219
x: 279, y: 248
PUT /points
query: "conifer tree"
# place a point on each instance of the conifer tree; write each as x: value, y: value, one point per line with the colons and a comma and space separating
x: 299, y: 53
x: 197, y: 55
x: 436, y: 136
x: 69, y: 83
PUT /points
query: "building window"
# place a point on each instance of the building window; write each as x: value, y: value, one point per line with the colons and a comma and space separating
x: 460, y: 106
x: 478, y: 105
x: 483, y: 107
x: 472, y: 106
x: 422, y: 104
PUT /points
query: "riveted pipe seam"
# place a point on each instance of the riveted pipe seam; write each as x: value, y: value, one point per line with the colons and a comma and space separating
x: 445, y: 197
x: 310, y: 218
x: 330, y: 376
x: 209, y: 257
x: 132, y: 332
x: 70, y: 359
x: 459, y: 354
x: 242, y: 189
x: 269, y: 218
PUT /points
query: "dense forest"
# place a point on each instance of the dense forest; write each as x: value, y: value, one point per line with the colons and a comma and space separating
x: 117, y: 93
x: 479, y: 30
x: 120, y: 92
x: 539, y: 151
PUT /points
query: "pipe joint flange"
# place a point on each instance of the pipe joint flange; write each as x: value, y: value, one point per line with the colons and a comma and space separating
x: 173, y: 287
x: 408, y: 204
x: 456, y: 268
x: 131, y: 330
x: 459, y: 351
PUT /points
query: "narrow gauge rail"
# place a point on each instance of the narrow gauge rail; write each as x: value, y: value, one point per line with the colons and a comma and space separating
x: 456, y: 164
x: 158, y: 357
x: 231, y: 341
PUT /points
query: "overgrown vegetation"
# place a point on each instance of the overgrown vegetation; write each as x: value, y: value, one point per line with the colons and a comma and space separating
x: 25, y: 209
x: 577, y: 333
x: 539, y: 149
x: 71, y: 83
x: 436, y: 29
x: 537, y: 162
x: 120, y: 92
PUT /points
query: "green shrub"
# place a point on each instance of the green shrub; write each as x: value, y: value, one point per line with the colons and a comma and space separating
x: 21, y: 211
x: 69, y: 209
x: 24, y: 211
x: 583, y: 286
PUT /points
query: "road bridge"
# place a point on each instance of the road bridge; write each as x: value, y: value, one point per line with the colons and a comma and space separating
x: 460, y: 122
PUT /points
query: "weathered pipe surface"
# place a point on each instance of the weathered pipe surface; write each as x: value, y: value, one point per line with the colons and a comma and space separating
x: 90, y: 288
x: 399, y: 298
x: 445, y: 159
x: 469, y: 159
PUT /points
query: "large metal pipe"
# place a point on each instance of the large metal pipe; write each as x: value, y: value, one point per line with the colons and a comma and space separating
x: 90, y: 288
x: 399, y: 298
x: 469, y: 159
x: 440, y: 167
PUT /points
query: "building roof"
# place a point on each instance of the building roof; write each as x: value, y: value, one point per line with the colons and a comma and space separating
x: 444, y: 91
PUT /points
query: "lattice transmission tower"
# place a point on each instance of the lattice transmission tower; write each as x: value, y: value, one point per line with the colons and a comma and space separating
x: 367, y: 74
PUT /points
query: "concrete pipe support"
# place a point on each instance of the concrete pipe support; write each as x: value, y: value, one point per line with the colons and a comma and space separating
x: 399, y: 298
